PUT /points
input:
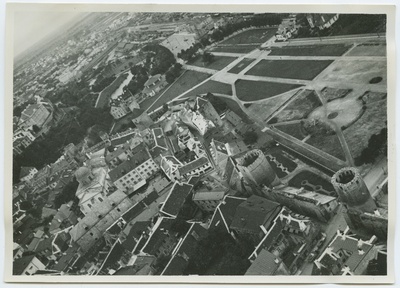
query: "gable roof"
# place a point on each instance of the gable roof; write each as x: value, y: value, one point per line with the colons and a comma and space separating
x: 25, y: 171
x: 266, y: 263
x: 176, y: 198
x: 128, y: 165
x: 256, y: 211
x: 225, y: 212
x: 21, y: 264
x: 160, y: 232
x: 184, y: 250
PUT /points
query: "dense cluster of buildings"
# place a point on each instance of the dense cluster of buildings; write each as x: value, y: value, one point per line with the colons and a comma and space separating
x: 141, y: 201
x: 146, y: 197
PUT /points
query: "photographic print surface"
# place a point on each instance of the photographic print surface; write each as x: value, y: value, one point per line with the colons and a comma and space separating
x: 207, y: 143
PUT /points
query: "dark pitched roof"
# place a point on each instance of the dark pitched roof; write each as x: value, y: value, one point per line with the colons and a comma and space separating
x: 193, y: 165
x: 253, y: 213
x: 20, y: 264
x: 159, y: 138
x: 266, y: 263
x: 24, y: 171
x: 157, y: 237
x: 187, y: 249
x: 150, y: 198
x: 176, y: 198
x: 129, y: 165
x: 225, y: 212
x: 133, y: 212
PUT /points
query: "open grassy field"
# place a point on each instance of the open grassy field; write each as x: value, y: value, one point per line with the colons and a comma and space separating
x: 293, y: 129
x: 298, y: 108
x: 329, y: 144
x: 186, y: 81
x: 241, y: 65
x: 234, y: 48
x: 311, y: 50
x: 349, y: 71
x: 369, y: 49
x: 247, y: 90
x: 292, y: 69
x: 262, y: 110
x: 251, y: 36
x: 212, y: 87
x: 218, y: 63
x: 371, y: 122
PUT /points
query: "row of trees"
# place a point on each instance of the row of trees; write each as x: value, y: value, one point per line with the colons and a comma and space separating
x: 158, y: 59
x: 257, y: 20
x: 173, y: 73
x: 102, y: 83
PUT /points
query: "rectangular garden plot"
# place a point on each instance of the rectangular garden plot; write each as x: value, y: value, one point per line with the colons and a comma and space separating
x: 311, y: 50
x: 241, y: 65
x: 332, y: 93
x: 298, y: 108
x: 218, y: 63
x: 235, y: 48
x: 247, y: 90
x: 251, y: 36
x: 290, y: 69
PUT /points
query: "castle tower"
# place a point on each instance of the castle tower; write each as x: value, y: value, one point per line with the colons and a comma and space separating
x: 256, y: 169
x: 352, y: 190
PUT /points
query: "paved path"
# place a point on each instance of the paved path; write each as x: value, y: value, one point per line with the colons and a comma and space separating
x: 200, y: 69
x: 228, y: 54
x: 332, y: 40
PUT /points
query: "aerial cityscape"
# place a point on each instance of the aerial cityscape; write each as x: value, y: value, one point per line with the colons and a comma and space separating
x: 202, y: 144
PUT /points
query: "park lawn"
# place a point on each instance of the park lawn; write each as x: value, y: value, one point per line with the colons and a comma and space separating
x: 313, y: 179
x: 247, y: 90
x: 311, y: 50
x: 369, y: 49
x: 241, y: 65
x: 260, y: 35
x: 298, y: 108
x: 186, y: 81
x: 371, y: 122
x: 329, y: 144
x: 291, y: 69
x: 293, y: 129
x: 212, y: 87
x: 235, y: 48
x: 265, y: 108
x: 218, y: 63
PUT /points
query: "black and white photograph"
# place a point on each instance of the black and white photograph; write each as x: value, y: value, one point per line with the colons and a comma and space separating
x: 199, y: 142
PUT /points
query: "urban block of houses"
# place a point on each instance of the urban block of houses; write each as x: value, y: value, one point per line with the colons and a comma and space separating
x: 93, y: 187
x: 102, y: 215
x: 291, y: 238
x: 26, y: 173
x: 27, y: 265
x: 179, y: 202
x: 133, y: 173
x: 184, y: 250
x: 347, y: 254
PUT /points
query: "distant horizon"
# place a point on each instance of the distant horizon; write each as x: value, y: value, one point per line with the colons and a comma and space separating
x: 31, y: 28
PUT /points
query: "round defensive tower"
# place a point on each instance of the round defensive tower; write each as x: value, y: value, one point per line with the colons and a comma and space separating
x: 255, y: 167
x: 352, y: 190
